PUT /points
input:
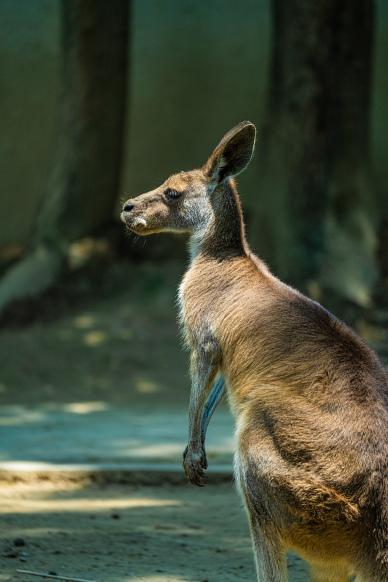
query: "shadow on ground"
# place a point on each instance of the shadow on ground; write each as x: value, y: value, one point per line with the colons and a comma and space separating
x: 96, y: 432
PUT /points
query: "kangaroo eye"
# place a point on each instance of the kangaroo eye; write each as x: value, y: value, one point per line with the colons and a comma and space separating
x: 171, y: 194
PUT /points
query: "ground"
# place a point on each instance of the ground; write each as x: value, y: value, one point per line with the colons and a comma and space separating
x: 118, y: 343
x: 118, y: 533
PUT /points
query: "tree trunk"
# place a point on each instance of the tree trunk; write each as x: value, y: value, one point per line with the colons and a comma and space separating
x: 315, y: 181
x: 84, y: 185
x: 383, y: 257
x: 86, y: 180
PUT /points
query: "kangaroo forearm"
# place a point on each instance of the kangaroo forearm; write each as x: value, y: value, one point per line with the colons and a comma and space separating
x: 203, y: 373
x: 196, y: 412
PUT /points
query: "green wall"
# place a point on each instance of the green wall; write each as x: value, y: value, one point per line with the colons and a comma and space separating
x: 380, y: 105
x: 197, y: 68
x: 29, y: 83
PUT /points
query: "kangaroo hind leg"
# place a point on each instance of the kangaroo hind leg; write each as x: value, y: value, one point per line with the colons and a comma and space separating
x: 268, y: 549
x: 270, y: 557
x: 333, y: 572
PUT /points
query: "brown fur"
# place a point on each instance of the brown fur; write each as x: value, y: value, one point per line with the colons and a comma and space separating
x: 309, y: 397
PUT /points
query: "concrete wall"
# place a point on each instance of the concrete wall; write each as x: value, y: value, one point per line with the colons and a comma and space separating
x: 197, y: 68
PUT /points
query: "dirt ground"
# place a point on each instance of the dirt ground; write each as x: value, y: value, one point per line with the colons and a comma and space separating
x: 118, y: 343
x: 126, y: 533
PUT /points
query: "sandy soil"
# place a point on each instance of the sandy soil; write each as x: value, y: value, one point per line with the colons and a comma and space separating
x: 121, y: 533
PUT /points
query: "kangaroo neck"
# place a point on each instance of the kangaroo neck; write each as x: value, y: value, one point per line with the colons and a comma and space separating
x: 223, y: 237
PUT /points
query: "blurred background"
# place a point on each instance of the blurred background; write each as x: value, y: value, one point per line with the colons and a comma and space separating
x: 100, y: 104
x: 101, y: 101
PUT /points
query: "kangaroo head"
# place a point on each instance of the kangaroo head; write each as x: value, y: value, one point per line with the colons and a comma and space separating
x: 183, y: 202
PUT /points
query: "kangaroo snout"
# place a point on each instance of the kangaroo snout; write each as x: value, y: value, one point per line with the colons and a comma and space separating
x: 131, y: 218
x: 128, y: 206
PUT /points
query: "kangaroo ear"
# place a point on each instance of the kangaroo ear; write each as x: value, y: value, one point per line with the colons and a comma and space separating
x: 233, y: 153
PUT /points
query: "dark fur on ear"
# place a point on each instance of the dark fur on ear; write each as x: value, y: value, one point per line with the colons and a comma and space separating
x: 233, y: 153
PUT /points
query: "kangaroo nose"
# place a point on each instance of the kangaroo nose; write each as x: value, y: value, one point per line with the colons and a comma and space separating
x: 128, y: 207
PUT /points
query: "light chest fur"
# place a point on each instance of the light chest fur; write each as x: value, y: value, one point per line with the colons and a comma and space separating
x: 209, y: 298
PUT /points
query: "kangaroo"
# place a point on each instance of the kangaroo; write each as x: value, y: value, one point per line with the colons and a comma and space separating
x: 309, y: 397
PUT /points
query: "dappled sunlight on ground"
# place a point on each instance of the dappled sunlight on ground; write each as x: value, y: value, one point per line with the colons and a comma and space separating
x: 94, y: 338
x: 84, y: 321
x: 146, y: 386
x: 85, y: 407
x: 82, y: 505
x: 17, y: 415
x: 121, y: 533
x: 123, y: 347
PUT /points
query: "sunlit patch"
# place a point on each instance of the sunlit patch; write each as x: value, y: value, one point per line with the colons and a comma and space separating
x: 82, y: 251
x: 147, y: 387
x: 84, y: 321
x: 84, y: 504
x: 3, y: 388
x: 94, y: 338
x: 155, y: 578
x: 18, y: 415
x: 160, y: 578
x: 85, y: 407
x: 157, y: 451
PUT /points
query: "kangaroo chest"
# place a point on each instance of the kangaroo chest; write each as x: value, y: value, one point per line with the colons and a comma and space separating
x: 209, y: 295
x: 197, y: 298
